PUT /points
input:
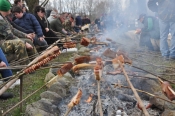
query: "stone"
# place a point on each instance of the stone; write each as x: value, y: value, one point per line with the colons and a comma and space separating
x: 59, y: 89
x: 84, y: 49
x: 49, y: 75
x: 161, y: 104
x: 32, y: 111
x: 51, y: 95
x: 42, y: 107
x: 168, y: 113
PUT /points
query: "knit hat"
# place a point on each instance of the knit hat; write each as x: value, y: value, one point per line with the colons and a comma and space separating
x: 4, y: 5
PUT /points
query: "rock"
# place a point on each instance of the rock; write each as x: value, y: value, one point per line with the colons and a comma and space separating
x: 84, y: 49
x: 51, y: 95
x: 59, y: 89
x: 32, y: 111
x: 161, y: 104
x: 145, y: 84
x: 75, y: 55
x: 54, y: 80
x: 54, y: 70
x: 168, y: 113
x: 49, y: 75
x: 42, y: 107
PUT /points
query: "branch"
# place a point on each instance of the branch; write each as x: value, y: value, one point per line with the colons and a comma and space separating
x: 119, y: 85
x: 134, y: 91
x: 99, y: 100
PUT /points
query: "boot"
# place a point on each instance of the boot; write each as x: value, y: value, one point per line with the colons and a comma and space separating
x: 6, y: 96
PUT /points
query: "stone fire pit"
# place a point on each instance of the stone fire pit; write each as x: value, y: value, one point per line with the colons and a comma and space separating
x: 115, y: 101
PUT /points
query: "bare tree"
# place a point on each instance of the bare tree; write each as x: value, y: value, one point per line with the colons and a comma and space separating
x: 32, y: 4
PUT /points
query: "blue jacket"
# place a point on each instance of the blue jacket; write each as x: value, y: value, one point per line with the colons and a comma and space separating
x: 78, y: 21
x: 29, y: 22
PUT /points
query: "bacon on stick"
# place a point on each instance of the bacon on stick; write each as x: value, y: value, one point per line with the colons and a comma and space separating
x: 69, y: 45
x: 85, y: 41
x: 84, y: 59
x: 76, y: 99
x: 65, y: 68
x: 98, y: 72
x: 167, y: 90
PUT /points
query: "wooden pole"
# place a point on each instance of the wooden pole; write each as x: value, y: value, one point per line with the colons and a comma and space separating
x: 134, y: 91
x: 99, y: 99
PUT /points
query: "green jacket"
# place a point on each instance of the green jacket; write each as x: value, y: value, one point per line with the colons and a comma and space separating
x: 56, y: 25
x: 7, y: 32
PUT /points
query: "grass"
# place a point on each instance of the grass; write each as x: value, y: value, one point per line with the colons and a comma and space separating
x: 31, y: 82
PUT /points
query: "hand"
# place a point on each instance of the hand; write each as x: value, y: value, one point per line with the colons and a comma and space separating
x: 138, y: 31
x: 64, y: 31
x: 30, y: 36
x: 41, y: 38
x: 47, y: 29
x: 3, y: 64
x: 28, y: 46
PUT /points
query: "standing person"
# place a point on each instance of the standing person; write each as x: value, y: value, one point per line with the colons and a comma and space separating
x: 166, y: 14
x: 45, y: 26
x: 150, y: 33
x: 10, y: 43
x: 78, y: 23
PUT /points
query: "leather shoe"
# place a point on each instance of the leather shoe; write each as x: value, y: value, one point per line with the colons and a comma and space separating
x: 6, y: 96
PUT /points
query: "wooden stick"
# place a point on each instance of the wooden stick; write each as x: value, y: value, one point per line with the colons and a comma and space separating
x: 22, y: 100
x: 4, y: 88
x: 150, y: 94
x: 68, y: 111
x: 160, y: 78
x: 99, y: 99
x: 134, y: 91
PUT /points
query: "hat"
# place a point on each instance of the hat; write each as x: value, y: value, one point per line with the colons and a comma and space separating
x: 53, y: 12
x: 141, y: 15
x: 4, y: 5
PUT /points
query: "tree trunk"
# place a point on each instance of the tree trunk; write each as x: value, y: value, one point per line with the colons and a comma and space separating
x: 32, y: 4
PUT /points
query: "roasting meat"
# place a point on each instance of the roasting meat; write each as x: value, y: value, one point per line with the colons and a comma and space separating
x: 76, y: 99
x: 64, y: 69
x: 82, y: 66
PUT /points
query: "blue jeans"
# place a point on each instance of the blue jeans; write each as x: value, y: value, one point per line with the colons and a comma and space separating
x: 164, y: 31
x: 6, y: 72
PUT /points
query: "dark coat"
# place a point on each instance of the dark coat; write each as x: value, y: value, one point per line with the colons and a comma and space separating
x: 29, y: 22
x: 86, y: 21
x: 45, y: 24
x: 151, y: 27
x: 78, y: 21
x: 165, y: 9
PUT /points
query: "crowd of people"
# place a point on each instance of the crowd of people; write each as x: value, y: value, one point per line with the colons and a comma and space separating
x: 23, y: 34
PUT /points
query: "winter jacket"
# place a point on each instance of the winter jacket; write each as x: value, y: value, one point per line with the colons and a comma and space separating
x: 78, y: 21
x: 151, y: 26
x: 29, y: 22
x: 56, y: 25
x: 164, y: 8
